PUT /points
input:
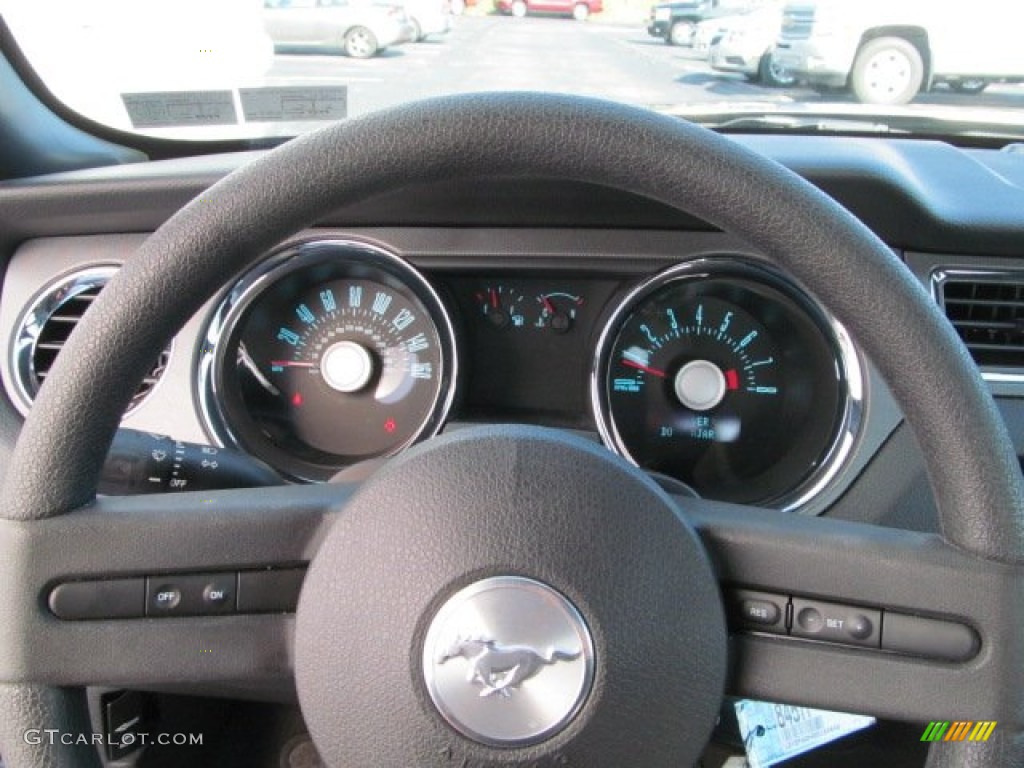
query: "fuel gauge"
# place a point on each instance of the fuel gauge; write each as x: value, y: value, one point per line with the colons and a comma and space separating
x: 502, y: 306
x: 557, y: 311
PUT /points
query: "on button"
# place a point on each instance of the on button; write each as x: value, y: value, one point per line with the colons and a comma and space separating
x: 215, y: 595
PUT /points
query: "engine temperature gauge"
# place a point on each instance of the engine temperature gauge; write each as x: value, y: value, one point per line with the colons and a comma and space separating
x: 557, y: 311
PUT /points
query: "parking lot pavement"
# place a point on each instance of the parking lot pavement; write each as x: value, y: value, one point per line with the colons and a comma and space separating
x: 503, y: 53
x: 555, y: 54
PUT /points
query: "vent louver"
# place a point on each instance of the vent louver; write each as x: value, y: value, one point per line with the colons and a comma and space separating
x: 987, y: 311
x: 49, y: 322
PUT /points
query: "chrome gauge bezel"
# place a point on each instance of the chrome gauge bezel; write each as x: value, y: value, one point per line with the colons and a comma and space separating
x: 364, y: 257
x: 847, y: 359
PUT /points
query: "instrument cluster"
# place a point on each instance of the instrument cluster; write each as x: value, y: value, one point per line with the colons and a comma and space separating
x: 719, y: 373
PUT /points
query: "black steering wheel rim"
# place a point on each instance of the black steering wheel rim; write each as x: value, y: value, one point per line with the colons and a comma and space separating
x: 976, y: 482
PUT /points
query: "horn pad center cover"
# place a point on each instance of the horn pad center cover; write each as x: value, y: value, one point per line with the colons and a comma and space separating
x: 496, y: 511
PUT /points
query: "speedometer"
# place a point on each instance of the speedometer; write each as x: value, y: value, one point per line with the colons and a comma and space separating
x: 328, y: 354
x: 724, y: 375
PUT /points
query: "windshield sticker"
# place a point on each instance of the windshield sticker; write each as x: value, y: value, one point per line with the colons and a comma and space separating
x: 180, y: 108
x: 281, y: 103
x: 775, y: 732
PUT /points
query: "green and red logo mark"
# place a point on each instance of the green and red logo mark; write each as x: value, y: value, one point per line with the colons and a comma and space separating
x: 958, y: 730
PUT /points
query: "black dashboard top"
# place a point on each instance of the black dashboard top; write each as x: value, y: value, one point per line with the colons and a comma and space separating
x: 915, y: 194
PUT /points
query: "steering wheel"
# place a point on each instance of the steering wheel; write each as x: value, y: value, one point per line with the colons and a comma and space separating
x: 569, y: 534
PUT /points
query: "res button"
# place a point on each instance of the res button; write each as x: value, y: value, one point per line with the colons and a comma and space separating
x: 759, y: 611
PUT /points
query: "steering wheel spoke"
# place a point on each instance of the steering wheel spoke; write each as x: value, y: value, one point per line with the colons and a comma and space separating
x: 928, y: 625
x: 161, y: 589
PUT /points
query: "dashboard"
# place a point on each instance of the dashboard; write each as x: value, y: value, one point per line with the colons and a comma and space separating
x: 696, y: 359
x: 676, y: 346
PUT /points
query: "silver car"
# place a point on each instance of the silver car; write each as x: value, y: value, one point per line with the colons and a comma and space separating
x: 361, y: 29
x: 746, y: 43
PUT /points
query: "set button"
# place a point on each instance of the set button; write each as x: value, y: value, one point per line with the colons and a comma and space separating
x: 836, y: 623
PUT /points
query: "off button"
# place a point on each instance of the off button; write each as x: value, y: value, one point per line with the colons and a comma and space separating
x: 165, y: 598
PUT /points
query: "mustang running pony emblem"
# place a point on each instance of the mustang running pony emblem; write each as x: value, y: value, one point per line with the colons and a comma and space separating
x: 501, y: 668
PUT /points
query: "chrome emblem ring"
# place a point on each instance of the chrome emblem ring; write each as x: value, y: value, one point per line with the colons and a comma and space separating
x: 508, y: 661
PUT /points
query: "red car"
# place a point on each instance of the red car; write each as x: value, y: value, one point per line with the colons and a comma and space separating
x: 578, y: 9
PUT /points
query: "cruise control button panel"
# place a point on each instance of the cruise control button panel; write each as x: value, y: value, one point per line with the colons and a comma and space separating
x: 269, y: 590
x: 809, y: 618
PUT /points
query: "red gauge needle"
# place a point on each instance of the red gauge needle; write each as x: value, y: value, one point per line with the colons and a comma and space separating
x: 644, y: 368
x: 547, y: 304
x: 494, y: 298
x: 291, y: 364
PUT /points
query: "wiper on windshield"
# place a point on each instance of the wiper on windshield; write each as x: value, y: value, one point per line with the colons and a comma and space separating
x: 854, y: 120
x: 798, y: 123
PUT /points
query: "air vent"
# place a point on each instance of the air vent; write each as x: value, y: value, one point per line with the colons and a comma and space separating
x: 987, y: 311
x: 48, y: 323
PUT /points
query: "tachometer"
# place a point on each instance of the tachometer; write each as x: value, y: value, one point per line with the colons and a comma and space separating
x: 328, y: 354
x: 724, y: 375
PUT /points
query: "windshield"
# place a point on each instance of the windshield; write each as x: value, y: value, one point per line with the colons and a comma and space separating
x: 240, y: 69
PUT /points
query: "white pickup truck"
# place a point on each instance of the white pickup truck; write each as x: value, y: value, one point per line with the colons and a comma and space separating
x: 888, y: 51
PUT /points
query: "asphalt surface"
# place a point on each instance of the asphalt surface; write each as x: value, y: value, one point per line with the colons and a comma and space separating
x: 557, y: 54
